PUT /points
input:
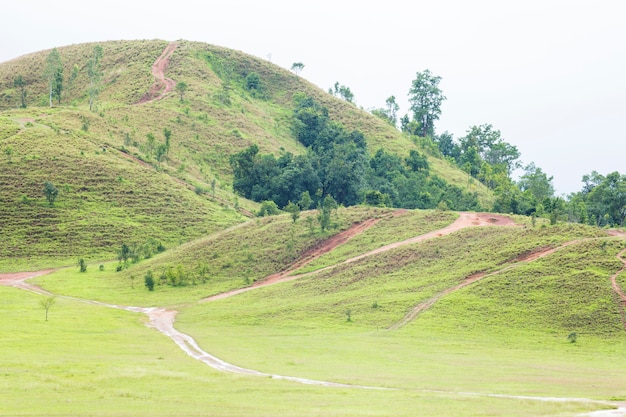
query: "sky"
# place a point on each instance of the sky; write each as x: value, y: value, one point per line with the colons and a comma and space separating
x: 549, y: 74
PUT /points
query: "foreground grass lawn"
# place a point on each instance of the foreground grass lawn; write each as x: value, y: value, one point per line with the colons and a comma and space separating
x: 94, y: 361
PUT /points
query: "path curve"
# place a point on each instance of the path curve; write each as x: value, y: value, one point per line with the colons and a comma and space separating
x: 163, y: 320
x: 526, y: 258
x: 465, y: 220
x: 162, y: 85
x: 620, y: 293
x: 309, y: 256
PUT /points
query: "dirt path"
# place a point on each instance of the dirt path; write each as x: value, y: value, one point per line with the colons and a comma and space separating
x: 162, y: 85
x: 307, y: 257
x: 464, y: 220
x: 620, y: 293
x: 162, y: 319
x: 423, y: 306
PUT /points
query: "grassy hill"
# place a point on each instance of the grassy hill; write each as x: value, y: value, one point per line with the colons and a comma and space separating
x: 112, y: 188
x: 454, y: 324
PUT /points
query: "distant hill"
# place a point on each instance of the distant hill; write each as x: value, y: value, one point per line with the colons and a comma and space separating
x: 112, y: 188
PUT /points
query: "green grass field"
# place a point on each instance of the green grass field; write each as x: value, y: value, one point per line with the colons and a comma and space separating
x: 94, y: 361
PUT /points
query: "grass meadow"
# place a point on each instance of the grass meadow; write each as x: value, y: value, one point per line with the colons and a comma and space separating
x: 93, y: 361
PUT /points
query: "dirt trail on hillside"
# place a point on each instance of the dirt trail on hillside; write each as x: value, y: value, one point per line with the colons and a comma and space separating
x: 464, y: 220
x: 307, y: 257
x: 522, y: 259
x: 620, y: 293
x: 162, y: 85
x: 162, y: 319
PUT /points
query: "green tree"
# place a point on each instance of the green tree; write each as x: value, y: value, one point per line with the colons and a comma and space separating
x: 344, y: 92
x: 151, y: 140
x: 46, y: 303
x: 253, y: 81
x: 536, y: 183
x: 149, y: 281
x: 426, y: 98
x: 294, y: 210
x: 390, y: 112
x: 181, y: 88
x: 305, y: 201
x: 417, y: 162
x: 54, y: 75
x: 297, y: 67
x: 21, y: 84
x: 168, y: 134
x: 95, y: 75
x: 71, y: 80
x: 51, y: 192
x: 8, y: 151
x: 268, y: 208
x: 82, y: 265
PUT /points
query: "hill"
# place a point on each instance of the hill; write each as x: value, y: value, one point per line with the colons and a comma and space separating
x: 99, y: 160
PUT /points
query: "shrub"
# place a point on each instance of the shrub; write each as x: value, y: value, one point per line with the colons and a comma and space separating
x: 149, y: 281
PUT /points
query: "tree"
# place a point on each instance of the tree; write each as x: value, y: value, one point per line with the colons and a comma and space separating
x: 71, y: 80
x: 150, y: 144
x: 344, y: 92
x: 536, y: 183
x: 123, y: 253
x: 21, y: 84
x: 253, y: 81
x: 392, y: 110
x: 46, y: 303
x: 149, y: 281
x: 95, y: 75
x: 8, y: 151
x: 297, y: 67
x: 425, y: 98
x: 82, y: 265
x: 54, y: 75
x: 305, y: 201
x: 168, y: 134
x: 181, y: 88
x: 51, y: 192
x: 294, y: 210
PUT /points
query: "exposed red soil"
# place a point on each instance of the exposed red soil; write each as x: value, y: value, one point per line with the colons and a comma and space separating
x: 307, y: 257
x: 162, y: 85
x: 620, y: 293
x: 18, y: 280
x: 464, y: 220
x: 523, y: 258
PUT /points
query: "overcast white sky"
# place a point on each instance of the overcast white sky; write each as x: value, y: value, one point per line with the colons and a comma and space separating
x: 550, y: 75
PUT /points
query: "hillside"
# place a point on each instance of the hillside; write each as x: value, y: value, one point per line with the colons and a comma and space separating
x: 99, y: 160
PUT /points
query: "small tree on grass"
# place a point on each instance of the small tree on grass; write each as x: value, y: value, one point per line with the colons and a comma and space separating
x: 297, y: 67
x: 149, y: 281
x: 294, y: 210
x: 572, y: 337
x: 46, y: 303
x: 51, y: 192
x: 181, y: 88
x: 82, y: 265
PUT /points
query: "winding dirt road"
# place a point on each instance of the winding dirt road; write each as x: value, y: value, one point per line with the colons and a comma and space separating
x: 163, y: 320
x: 162, y: 85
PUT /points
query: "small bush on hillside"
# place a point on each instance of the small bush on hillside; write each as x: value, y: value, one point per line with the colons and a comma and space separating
x: 149, y: 281
x: 82, y: 265
x: 268, y: 208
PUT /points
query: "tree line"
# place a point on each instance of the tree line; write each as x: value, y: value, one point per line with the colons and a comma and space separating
x: 338, y: 164
x: 486, y: 157
x: 59, y: 85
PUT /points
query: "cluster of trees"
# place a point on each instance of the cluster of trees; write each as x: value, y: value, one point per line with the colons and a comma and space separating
x: 136, y: 252
x: 58, y: 84
x: 337, y: 164
x: 177, y: 276
x: 486, y: 157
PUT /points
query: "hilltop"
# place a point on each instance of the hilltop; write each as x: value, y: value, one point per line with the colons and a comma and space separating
x: 99, y: 159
